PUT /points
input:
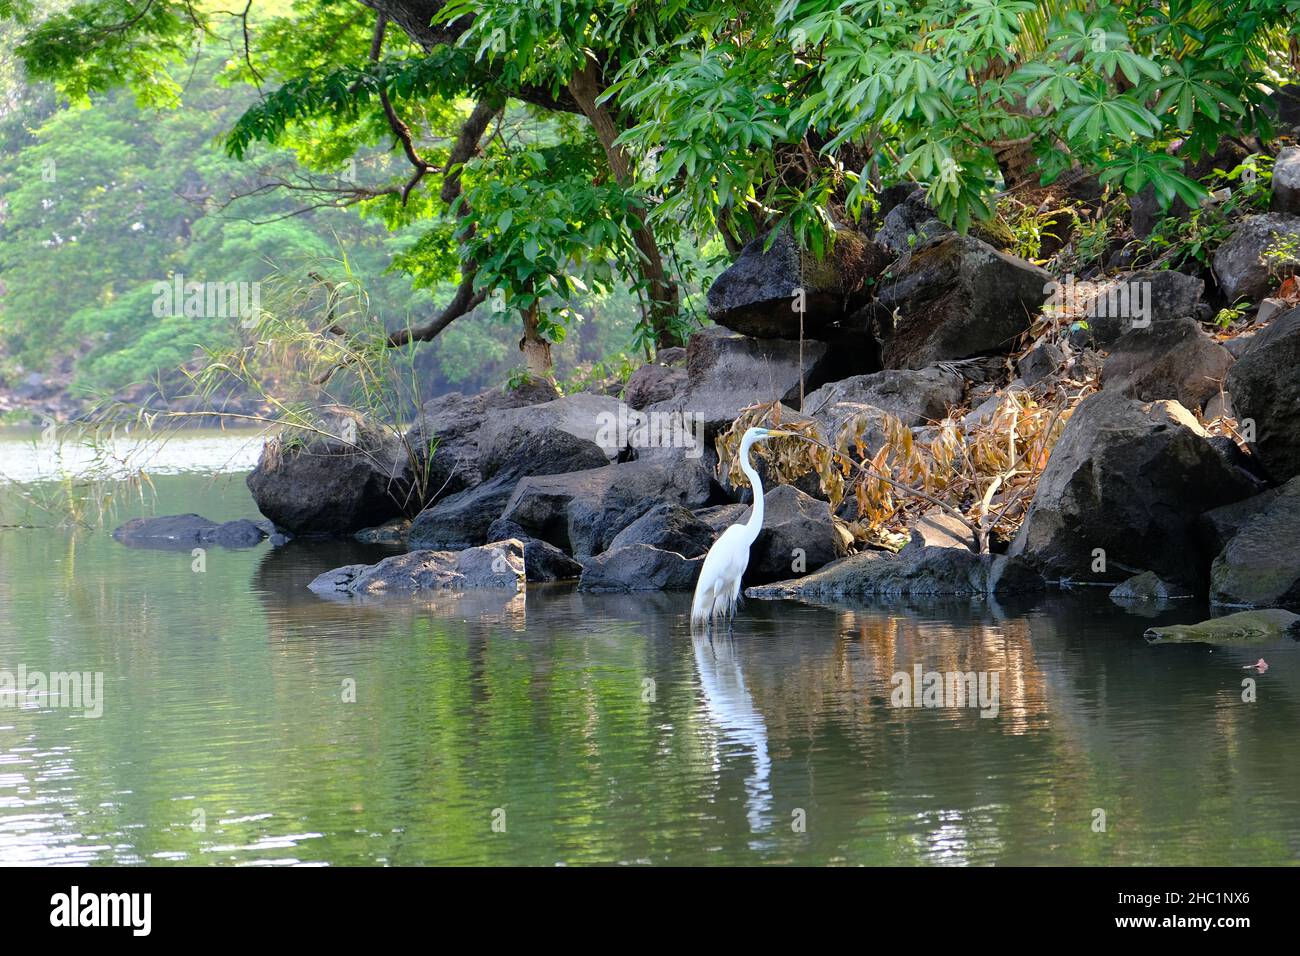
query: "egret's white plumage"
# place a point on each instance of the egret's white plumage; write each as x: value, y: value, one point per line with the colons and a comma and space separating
x: 718, y: 588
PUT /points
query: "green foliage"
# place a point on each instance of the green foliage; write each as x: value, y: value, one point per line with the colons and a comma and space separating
x: 1191, y: 240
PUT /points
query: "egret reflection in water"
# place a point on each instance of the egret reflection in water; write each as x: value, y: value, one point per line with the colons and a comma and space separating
x: 739, y: 724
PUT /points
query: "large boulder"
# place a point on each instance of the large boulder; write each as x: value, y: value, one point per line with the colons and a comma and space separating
x: 1121, y: 494
x: 956, y: 298
x: 584, y: 415
x: 653, y: 383
x: 462, y: 520
x: 669, y: 527
x: 581, y: 512
x: 914, y: 396
x: 1174, y: 360
x: 1220, y: 525
x: 798, y: 536
x: 449, y: 425
x: 759, y: 294
x: 1134, y: 302
x: 1240, y: 271
x: 1266, y: 394
x: 347, y: 475
x: 1260, y: 566
x: 497, y: 565
x: 640, y: 567
x: 1286, y: 181
x: 727, y: 372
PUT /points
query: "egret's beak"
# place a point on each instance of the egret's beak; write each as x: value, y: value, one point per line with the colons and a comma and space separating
x: 774, y: 433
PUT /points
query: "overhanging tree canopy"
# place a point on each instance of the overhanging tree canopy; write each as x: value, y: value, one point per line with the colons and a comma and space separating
x: 687, y: 118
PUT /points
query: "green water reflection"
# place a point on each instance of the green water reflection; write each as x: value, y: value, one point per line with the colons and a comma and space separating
x: 597, y: 731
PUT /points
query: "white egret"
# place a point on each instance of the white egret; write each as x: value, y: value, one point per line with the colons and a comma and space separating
x: 718, y: 588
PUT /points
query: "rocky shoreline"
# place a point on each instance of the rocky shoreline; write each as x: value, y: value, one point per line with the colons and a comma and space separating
x: 1173, y: 467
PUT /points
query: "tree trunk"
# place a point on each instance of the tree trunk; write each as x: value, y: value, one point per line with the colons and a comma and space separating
x: 537, y: 351
x: 584, y: 87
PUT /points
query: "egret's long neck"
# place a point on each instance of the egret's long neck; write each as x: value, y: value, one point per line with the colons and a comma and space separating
x: 755, y: 523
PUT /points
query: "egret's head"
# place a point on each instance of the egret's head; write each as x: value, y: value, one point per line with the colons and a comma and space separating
x: 758, y: 434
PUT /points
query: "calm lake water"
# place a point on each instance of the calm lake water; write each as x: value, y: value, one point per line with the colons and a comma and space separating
x: 565, y: 728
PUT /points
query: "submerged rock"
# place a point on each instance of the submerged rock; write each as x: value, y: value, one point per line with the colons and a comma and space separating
x: 1145, y: 587
x: 497, y: 565
x: 182, y: 532
x: 1122, y: 491
x: 390, y: 532
x: 1241, y: 629
x: 954, y: 299
x: 640, y: 567
x: 1260, y: 565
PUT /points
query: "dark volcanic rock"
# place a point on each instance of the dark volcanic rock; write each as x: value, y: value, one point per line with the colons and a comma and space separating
x: 925, y: 571
x: 1040, y: 363
x: 1260, y: 566
x: 956, y: 298
x: 581, y: 512
x: 1121, y: 494
x: 910, y: 224
x: 756, y: 295
x: 669, y: 527
x: 497, y: 565
x: 1173, y: 360
x: 1237, y: 265
x: 462, y: 520
x: 640, y: 567
x: 1111, y: 306
x: 1218, y: 526
x: 315, y: 484
x: 653, y: 383
x: 727, y: 372
x: 1265, y: 392
x: 584, y: 415
x: 914, y: 396
x: 798, y: 536
x: 451, y: 424
x: 1286, y: 181
x: 542, y: 561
